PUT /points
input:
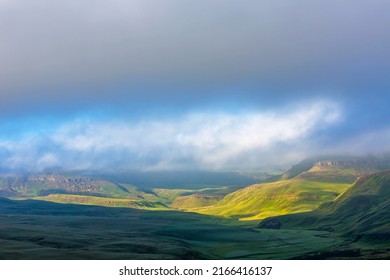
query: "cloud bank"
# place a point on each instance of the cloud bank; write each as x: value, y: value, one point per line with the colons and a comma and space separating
x: 190, y: 84
x: 70, y: 54
x: 203, y: 140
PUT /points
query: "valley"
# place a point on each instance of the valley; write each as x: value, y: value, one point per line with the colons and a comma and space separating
x: 320, y: 208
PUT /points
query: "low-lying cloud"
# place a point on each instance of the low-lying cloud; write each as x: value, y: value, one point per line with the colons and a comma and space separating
x: 198, y: 140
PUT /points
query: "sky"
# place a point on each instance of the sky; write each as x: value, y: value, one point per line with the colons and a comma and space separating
x: 184, y: 85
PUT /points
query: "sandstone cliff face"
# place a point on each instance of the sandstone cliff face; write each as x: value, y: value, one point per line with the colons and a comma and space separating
x: 47, y: 184
x: 352, y: 163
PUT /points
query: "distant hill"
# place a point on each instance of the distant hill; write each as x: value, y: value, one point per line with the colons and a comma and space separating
x: 327, y: 208
x: 302, y: 188
x: 41, y: 185
x: 86, y: 190
x: 335, y: 168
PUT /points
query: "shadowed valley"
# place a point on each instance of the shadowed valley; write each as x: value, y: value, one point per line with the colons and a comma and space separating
x: 321, y: 208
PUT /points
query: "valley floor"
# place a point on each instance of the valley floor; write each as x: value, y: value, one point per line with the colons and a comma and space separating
x: 44, y: 230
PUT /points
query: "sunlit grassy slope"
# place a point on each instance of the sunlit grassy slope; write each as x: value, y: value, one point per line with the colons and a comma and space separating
x: 321, y: 210
x: 102, y: 201
x: 157, y: 199
x: 361, y: 213
x: 277, y: 198
x: 303, y: 188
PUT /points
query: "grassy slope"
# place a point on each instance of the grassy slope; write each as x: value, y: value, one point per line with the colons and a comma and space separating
x: 363, y: 211
x: 277, y: 198
x: 301, y: 189
x: 195, y: 201
x: 335, y: 168
x: 102, y: 201
x: 361, y: 214
x: 156, y: 199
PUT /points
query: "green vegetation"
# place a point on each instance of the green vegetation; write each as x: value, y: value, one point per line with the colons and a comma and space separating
x: 303, y: 188
x: 102, y: 201
x: 360, y: 210
x: 32, y: 229
x: 195, y: 201
x: 40, y: 185
x: 272, y: 199
x: 361, y: 215
x: 328, y: 209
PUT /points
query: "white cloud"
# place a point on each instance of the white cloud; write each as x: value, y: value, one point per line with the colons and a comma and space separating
x: 211, y: 140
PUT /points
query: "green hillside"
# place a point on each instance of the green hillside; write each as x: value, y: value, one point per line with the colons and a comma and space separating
x: 271, y: 199
x: 195, y: 201
x: 328, y: 209
x: 334, y: 168
x: 303, y: 188
x: 102, y: 201
x: 361, y: 215
x: 363, y: 211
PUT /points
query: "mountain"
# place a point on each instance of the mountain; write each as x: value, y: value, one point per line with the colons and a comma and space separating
x: 326, y: 208
x: 335, y: 168
x: 302, y: 188
x: 43, y: 184
x: 85, y: 190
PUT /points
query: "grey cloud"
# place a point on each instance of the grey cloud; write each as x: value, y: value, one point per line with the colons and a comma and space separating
x: 55, y: 51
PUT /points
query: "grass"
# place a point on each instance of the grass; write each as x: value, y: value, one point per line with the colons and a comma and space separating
x: 360, y: 215
x: 303, y: 193
x: 321, y: 212
x: 278, y: 198
x: 43, y: 230
x: 156, y: 199
x: 102, y: 201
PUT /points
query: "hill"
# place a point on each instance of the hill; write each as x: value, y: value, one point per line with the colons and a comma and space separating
x: 43, y: 184
x: 322, y: 209
x: 335, y: 168
x: 96, y: 191
x: 362, y: 212
x: 303, y: 188
x: 271, y: 199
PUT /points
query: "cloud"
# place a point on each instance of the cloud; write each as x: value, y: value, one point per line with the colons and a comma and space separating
x: 201, y: 140
x: 119, y: 52
x: 151, y: 64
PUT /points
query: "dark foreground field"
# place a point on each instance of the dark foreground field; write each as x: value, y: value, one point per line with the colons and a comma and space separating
x: 44, y: 230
